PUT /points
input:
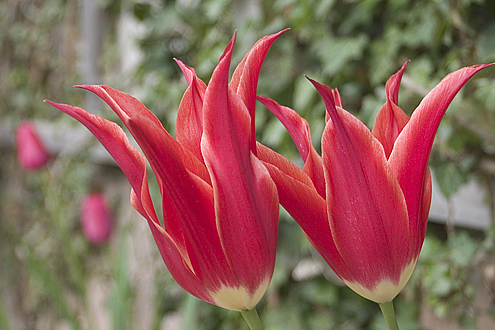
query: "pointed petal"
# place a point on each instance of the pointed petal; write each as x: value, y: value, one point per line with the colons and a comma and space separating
x: 113, y: 138
x: 366, y: 208
x: 189, y: 123
x: 245, y: 77
x: 123, y: 104
x: 299, y: 197
x: 409, y: 158
x: 336, y: 100
x: 133, y: 164
x: 246, y: 202
x: 390, y: 119
x: 297, y: 126
x: 189, y: 200
x: 267, y: 155
x: 188, y: 72
x: 298, y: 129
x: 126, y: 106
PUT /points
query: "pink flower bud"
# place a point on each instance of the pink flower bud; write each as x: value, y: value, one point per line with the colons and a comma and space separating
x: 31, y: 152
x: 96, y: 219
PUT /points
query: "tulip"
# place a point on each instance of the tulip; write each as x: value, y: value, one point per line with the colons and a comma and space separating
x: 220, y: 206
x: 96, y: 219
x: 364, y: 203
x: 31, y: 153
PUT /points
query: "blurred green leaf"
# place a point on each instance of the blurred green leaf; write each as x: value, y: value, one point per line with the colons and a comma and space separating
x: 336, y: 53
x: 486, y: 43
x: 463, y: 249
x: 449, y: 178
x: 486, y: 93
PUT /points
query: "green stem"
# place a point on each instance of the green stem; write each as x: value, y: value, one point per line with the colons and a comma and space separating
x: 389, y: 315
x: 252, y: 319
x: 191, y: 309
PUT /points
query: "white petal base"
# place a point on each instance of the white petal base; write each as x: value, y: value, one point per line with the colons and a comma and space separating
x: 386, y: 290
x: 238, y: 299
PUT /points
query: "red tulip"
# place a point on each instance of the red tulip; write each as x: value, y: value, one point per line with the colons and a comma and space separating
x: 31, y: 152
x: 96, y: 219
x: 364, y: 204
x: 220, y: 205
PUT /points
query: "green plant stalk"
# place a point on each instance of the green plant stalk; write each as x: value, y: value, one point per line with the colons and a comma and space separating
x: 121, y: 296
x: 252, y: 319
x: 389, y: 315
x: 191, y: 307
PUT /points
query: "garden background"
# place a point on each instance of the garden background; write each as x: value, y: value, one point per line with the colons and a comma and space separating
x: 51, y: 277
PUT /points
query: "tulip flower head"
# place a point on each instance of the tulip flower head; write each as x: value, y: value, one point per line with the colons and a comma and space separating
x: 31, y: 152
x: 364, y: 203
x: 220, y: 206
x: 96, y: 219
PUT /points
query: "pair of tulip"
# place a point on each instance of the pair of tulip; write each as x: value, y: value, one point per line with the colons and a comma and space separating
x: 363, y: 204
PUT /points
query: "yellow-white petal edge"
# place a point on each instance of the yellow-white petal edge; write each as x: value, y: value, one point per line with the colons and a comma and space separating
x: 238, y: 299
x: 385, y: 291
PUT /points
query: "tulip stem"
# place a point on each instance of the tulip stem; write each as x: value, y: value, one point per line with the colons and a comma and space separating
x: 389, y: 315
x: 252, y: 319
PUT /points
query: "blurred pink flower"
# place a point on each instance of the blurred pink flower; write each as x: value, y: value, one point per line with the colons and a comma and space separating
x: 31, y: 152
x: 96, y: 219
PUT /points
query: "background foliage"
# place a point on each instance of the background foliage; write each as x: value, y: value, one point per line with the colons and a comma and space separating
x: 349, y: 44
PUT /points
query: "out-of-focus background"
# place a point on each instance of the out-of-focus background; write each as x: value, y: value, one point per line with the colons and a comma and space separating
x: 53, y: 277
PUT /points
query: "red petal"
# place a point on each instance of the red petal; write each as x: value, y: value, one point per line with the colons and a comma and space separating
x: 176, y: 266
x: 126, y: 106
x: 298, y: 129
x: 133, y: 164
x: 122, y: 103
x: 113, y: 138
x: 336, y: 100
x: 189, y: 124
x: 246, y: 202
x: 300, y: 198
x: 189, y: 201
x: 409, y: 158
x: 366, y: 208
x: 245, y: 77
x: 390, y: 119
